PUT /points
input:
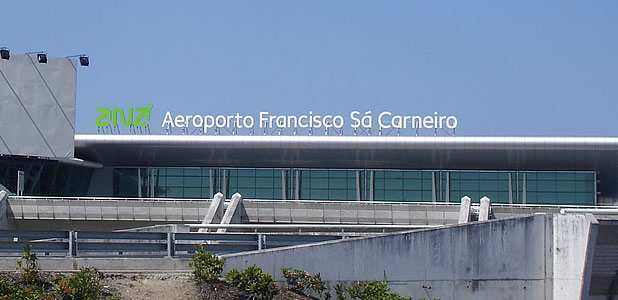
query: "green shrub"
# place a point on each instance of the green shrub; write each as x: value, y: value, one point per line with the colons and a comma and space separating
x: 207, y: 268
x: 28, y: 266
x: 85, y: 284
x: 373, y: 290
x: 341, y: 292
x: 9, y: 289
x: 30, y: 292
x: 302, y: 282
x: 257, y: 284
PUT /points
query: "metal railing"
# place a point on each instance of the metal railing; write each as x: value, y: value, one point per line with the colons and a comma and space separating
x: 147, y: 244
x: 117, y: 199
x: 342, y: 228
x: 412, y: 203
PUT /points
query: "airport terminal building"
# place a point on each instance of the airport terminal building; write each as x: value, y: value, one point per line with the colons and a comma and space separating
x: 41, y: 155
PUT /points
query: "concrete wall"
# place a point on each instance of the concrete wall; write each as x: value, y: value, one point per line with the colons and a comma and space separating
x: 499, y: 259
x: 38, y: 106
x: 104, y: 264
x: 573, y: 237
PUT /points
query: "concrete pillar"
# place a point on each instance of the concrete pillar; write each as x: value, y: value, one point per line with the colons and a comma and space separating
x: 464, y: 210
x: 484, y: 210
x: 4, y: 198
x: 214, y: 213
x: 233, y: 212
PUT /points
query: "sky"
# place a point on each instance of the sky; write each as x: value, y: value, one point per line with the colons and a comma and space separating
x: 517, y: 68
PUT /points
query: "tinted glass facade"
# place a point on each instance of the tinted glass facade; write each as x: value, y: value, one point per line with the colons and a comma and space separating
x: 517, y: 187
x: 48, y: 178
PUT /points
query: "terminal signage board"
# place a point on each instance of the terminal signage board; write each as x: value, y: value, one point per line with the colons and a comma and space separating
x: 140, y: 117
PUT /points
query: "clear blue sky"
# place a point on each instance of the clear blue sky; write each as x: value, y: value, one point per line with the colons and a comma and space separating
x: 516, y: 68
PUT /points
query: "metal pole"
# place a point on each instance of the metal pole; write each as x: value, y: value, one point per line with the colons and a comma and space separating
x: 371, y: 185
x: 358, y: 192
x: 259, y: 241
x: 71, y: 245
x: 171, y: 251
x: 433, y: 186
x: 448, y: 186
x: 283, y: 186
x: 510, y: 188
x: 139, y: 183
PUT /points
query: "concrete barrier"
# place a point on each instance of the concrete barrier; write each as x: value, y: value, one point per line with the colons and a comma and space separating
x: 517, y: 258
x: 131, y: 264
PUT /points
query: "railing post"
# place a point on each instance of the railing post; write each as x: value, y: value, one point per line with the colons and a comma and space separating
x: 72, y: 243
x: 263, y: 241
x: 171, y: 244
x: 259, y: 241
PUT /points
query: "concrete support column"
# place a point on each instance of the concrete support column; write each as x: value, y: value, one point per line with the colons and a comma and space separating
x: 464, y: 210
x: 214, y: 215
x: 484, y: 210
x: 4, y: 221
x: 232, y: 213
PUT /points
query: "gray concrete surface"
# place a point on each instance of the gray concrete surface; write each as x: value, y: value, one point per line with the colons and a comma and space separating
x: 534, y: 257
x: 128, y: 264
x: 215, y: 211
x: 603, y: 271
x: 484, y: 209
x: 464, y: 210
x: 232, y: 213
x: 4, y: 223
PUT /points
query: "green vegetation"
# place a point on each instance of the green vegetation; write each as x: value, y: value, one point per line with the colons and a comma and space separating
x: 85, y: 284
x: 255, y: 283
x: 368, y: 290
x: 302, y: 282
x: 207, y: 268
x: 28, y: 266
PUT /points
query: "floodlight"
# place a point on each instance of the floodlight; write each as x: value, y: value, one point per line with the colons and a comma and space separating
x: 84, y: 60
x: 42, y: 58
x: 5, y: 53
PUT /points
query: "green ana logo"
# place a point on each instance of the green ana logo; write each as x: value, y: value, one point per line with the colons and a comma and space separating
x: 108, y: 115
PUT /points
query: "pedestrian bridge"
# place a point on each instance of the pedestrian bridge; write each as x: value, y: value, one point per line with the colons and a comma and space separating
x: 165, y: 210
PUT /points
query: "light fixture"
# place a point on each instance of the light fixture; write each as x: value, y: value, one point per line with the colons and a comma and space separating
x: 5, y: 53
x: 84, y: 60
x: 41, y: 56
